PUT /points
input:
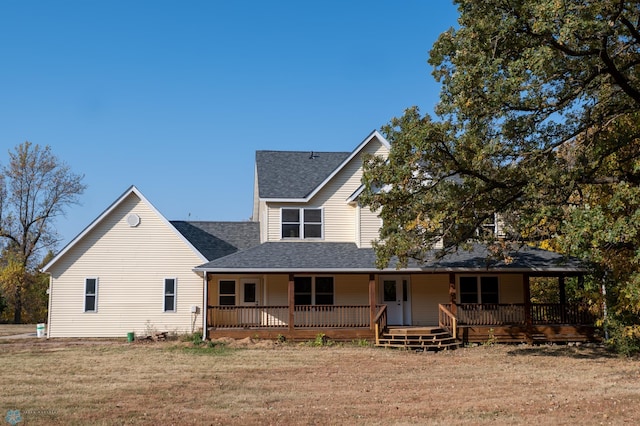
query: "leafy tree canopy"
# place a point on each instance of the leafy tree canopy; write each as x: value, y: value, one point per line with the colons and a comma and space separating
x: 538, y: 120
x: 35, y: 188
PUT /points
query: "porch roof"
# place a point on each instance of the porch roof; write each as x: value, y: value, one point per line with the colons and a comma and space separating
x: 327, y: 257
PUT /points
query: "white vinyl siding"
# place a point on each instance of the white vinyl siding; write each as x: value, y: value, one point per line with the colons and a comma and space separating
x: 370, y: 224
x: 427, y: 292
x: 131, y: 263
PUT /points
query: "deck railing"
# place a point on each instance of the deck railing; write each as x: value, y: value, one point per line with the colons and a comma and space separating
x: 515, y: 314
x: 305, y: 316
x: 447, y: 320
x: 380, y: 322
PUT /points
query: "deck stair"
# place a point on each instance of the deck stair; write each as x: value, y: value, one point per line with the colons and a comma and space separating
x: 418, y: 338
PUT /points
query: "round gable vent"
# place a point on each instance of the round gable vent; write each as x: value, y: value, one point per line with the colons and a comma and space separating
x: 133, y: 220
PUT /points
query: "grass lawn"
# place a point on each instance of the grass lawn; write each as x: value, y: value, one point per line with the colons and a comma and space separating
x: 74, y: 381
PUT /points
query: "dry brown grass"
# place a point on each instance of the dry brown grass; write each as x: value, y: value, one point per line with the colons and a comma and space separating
x: 112, y: 382
x: 12, y: 329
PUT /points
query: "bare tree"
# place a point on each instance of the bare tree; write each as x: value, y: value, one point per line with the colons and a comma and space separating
x: 35, y: 188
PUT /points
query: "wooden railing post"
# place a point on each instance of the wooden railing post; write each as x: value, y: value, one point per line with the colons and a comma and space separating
x: 563, y: 299
x: 292, y: 302
x: 526, y: 288
x: 372, y: 301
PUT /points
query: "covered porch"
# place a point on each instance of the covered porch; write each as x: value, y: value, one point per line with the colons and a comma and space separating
x: 298, y: 291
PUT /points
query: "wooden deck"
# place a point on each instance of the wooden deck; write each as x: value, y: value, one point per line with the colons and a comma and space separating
x: 337, y: 334
x: 532, y: 334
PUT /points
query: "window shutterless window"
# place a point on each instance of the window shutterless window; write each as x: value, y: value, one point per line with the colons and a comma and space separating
x: 169, y: 294
x: 313, y: 290
x: 301, y: 223
x: 90, y: 294
x: 227, y: 293
x: 483, y: 289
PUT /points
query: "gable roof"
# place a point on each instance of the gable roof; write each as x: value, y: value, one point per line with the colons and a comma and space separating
x: 294, y: 174
x: 131, y: 190
x: 326, y: 257
x: 219, y: 239
x: 297, y: 176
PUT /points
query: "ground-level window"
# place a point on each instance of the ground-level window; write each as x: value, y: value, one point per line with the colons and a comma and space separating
x: 301, y: 223
x: 313, y: 290
x: 90, y: 294
x: 227, y: 293
x: 169, y: 294
x: 479, y: 289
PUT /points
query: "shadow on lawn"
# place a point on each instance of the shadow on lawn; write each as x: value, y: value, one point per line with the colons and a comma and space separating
x: 577, y: 352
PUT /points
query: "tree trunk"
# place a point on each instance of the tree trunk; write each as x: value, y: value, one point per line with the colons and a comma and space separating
x: 17, y: 314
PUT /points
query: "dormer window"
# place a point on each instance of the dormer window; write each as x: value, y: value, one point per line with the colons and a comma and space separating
x: 301, y: 223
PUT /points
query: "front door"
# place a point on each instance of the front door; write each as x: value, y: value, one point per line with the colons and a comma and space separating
x: 395, y: 294
x: 250, y: 297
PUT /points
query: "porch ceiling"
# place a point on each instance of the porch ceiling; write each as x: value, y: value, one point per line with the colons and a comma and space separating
x: 326, y: 257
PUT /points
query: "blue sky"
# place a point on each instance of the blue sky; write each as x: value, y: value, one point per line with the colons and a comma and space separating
x: 176, y: 97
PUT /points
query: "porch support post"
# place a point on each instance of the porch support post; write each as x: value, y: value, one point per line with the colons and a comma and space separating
x: 205, y: 308
x: 526, y: 288
x: 452, y: 293
x: 372, y: 301
x: 563, y: 299
x: 292, y: 302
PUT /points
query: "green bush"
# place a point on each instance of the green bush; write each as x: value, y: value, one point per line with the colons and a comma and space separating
x: 623, y: 339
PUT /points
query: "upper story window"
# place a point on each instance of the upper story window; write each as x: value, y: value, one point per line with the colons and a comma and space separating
x: 301, y: 223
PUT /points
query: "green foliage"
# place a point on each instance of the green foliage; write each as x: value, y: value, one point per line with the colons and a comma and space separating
x: 364, y: 343
x: 320, y: 340
x: 624, y: 339
x: 195, y: 338
x: 35, y: 188
x: 538, y: 121
x: 210, y: 349
x: 491, y: 339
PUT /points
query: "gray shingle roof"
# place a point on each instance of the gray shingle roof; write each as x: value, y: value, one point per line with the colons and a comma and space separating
x: 294, y: 174
x: 343, y: 257
x: 218, y: 239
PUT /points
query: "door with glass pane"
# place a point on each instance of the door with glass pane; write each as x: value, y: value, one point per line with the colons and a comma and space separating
x: 395, y: 294
x: 250, y: 299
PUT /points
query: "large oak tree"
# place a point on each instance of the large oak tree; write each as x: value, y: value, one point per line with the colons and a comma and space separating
x: 538, y: 120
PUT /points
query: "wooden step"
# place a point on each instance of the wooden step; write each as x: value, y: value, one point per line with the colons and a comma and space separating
x: 418, y: 338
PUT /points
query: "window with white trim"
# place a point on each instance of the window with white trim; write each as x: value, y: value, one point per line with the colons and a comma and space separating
x: 170, y: 294
x: 227, y: 292
x: 479, y: 289
x: 313, y: 290
x: 90, y: 294
x: 301, y: 223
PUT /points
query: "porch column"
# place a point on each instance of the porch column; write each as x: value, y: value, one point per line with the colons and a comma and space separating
x: 372, y: 301
x: 526, y: 289
x: 452, y: 293
x: 563, y: 299
x: 292, y: 302
x: 205, y: 308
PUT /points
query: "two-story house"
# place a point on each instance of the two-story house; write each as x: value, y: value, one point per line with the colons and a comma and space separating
x: 303, y: 266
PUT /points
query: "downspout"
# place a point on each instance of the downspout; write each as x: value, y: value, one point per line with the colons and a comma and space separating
x: 205, y: 307
x: 50, y: 294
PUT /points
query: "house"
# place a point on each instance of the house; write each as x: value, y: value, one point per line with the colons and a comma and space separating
x: 303, y: 266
